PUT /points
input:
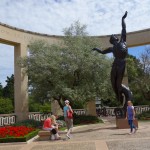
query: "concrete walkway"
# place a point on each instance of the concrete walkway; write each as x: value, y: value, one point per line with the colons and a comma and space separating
x: 93, y: 137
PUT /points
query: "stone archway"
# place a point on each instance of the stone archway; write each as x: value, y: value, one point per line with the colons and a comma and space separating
x: 21, y: 38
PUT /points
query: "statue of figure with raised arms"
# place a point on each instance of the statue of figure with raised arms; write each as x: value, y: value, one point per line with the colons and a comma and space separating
x: 120, y: 52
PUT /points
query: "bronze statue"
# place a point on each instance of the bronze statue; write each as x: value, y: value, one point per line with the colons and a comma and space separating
x: 120, y: 52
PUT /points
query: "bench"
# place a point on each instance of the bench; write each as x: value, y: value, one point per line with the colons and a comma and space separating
x: 45, y: 135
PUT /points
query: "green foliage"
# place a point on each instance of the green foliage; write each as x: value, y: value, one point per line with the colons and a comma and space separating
x: 46, y: 108
x: 35, y: 106
x: 77, y: 104
x: 8, y: 90
x: 110, y: 102
x: 144, y: 115
x: 29, y: 123
x: 7, y: 95
x: 6, y: 106
x: 19, y: 139
x: 1, y: 90
x: 83, y: 119
x: 61, y: 124
x: 139, y: 77
x: 68, y: 70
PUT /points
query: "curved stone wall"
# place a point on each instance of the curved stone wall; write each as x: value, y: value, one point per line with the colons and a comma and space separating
x: 20, y: 39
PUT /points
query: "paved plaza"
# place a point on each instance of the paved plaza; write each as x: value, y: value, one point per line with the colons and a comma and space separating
x: 94, y: 137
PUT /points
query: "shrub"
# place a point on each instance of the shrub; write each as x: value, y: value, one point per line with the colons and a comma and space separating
x: 37, y: 107
x: 83, y: 119
x: 77, y: 104
x: 61, y: 123
x: 6, y: 106
x: 29, y: 123
x: 34, y: 107
x: 46, y: 108
x: 144, y: 116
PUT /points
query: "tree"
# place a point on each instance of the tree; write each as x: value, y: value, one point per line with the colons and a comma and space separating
x: 8, y: 90
x: 139, y: 76
x: 144, y: 81
x: 6, y: 106
x: 68, y: 70
x: 1, y: 90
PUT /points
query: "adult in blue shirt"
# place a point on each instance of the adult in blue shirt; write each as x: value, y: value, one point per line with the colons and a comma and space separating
x: 69, y: 121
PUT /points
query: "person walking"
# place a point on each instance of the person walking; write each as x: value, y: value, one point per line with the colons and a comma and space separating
x: 130, y: 115
x: 68, y: 119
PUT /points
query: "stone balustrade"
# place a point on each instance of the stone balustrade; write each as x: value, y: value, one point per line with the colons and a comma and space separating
x: 109, y: 111
x: 8, y: 119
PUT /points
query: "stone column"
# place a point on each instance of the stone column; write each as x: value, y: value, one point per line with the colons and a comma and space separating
x: 20, y: 84
x: 91, y: 108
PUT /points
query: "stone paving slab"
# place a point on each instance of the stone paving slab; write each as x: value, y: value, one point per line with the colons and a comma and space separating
x: 66, y: 146
x: 10, y: 147
x: 142, y: 144
x: 94, y: 137
x: 73, y: 145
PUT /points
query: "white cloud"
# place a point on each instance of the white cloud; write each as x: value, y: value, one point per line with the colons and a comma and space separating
x: 51, y: 16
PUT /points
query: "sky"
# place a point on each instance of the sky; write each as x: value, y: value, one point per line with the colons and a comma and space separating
x: 102, y: 17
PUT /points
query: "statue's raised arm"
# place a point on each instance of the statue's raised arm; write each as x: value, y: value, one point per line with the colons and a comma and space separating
x: 123, y: 34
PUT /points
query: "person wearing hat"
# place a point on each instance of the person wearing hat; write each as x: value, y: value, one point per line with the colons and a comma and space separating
x: 68, y: 120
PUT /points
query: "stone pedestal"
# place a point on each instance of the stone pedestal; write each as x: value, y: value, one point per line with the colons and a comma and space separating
x: 91, y: 108
x: 122, y: 123
x: 55, y: 108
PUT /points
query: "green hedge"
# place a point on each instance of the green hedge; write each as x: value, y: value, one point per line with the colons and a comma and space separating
x: 83, y: 119
x: 144, y: 116
x: 29, y: 123
x: 19, y: 139
x: 37, y: 107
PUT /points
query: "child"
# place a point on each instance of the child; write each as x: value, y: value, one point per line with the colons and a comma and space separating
x: 130, y: 115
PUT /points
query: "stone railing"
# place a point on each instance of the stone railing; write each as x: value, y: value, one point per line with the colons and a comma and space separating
x: 105, y: 111
x: 38, y: 116
x: 79, y: 111
x: 8, y: 119
x: 142, y: 108
x: 109, y: 111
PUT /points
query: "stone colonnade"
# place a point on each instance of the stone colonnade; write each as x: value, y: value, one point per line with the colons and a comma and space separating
x: 20, y: 39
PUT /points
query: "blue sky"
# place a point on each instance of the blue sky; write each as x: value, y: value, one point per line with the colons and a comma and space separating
x: 51, y: 16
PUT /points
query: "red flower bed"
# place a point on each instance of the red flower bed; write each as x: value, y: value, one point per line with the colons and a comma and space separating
x: 18, y: 131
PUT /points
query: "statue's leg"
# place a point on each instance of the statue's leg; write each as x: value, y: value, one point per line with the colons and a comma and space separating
x: 120, y: 74
x: 113, y: 81
x: 128, y: 96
